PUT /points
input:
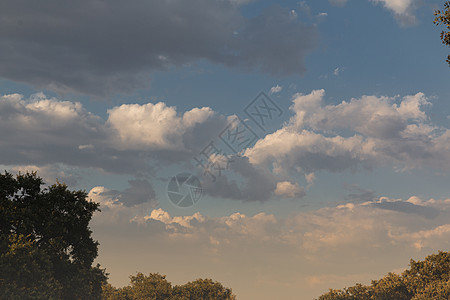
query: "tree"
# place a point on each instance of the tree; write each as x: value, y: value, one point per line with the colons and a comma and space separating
x: 27, y: 271
x: 434, y: 269
x: 390, y: 287
x: 155, y: 287
x: 203, y: 289
x: 47, y: 227
x: 443, y: 17
x: 424, y: 280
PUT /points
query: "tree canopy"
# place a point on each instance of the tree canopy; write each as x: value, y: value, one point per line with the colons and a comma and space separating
x: 156, y: 287
x: 443, y: 18
x: 424, y: 280
x: 46, y: 248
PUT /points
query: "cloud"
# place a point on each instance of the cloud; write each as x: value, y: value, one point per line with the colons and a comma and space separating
x: 138, y: 139
x: 43, y: 131
x: 359, y: 195
x: 140, y: 191
x: 49, y: 173
x: 153, y: 126
x: 337, y: 71
x: 328, y: 239
x: 119, y: 207
x: 407, y: 207
x: 283, y: 253
x: 275, y: 89
x: 365, y: 226
x: 289, y: 189
x: 244, y: 181
x: 358, y: 133
x: 402, y: 9
x: 98, y: 48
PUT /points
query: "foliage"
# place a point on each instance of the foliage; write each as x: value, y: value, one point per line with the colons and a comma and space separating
x: 27, y: 271
x: 428, y: 279
x: 202, y: 289
x: 45, y: 238
x: 443, y: 17
x: 155, y: 287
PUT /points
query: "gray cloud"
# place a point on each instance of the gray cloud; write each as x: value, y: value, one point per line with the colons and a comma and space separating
x: 359, y: 195
x: 140, y: 191
x: 409, y: 208
x: 257, y: 184
x: 99, y: 47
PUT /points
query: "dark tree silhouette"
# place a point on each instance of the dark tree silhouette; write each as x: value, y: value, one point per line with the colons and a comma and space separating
x: 46, y: 248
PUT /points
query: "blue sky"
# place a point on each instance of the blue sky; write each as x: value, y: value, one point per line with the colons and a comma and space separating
x: 116, y: 99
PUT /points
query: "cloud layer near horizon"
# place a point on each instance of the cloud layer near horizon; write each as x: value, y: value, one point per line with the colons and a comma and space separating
x: 326, y: 247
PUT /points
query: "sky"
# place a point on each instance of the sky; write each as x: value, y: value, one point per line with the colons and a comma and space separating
x: 315, y: 135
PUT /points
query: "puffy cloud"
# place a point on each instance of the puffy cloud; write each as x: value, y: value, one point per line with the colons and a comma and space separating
x: 307, y: 151
x: 403, y: 10
x: 153, y: 126
x: 289, y: 189
x: 137, y: 139
x: 96, y: 47
x: 43, y: 131
x: 361, y: 132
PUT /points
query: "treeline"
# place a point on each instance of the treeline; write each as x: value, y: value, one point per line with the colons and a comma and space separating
x: 424, y: 280
x: 47, y: 250
x: 155, y: 286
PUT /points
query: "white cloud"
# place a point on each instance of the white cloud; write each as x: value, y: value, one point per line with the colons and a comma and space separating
x: 337, y: 71
x: 289, y: 189
x: 363, y: 132
x: 275, y: 89
x: 153, y: 126
x: 398, y: 6
x: 402, y: 9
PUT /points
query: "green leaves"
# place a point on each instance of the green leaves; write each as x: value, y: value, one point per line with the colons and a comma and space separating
x: 52, y: 224
x: 156, y: 287
x: 428, y: 279
x: 443, y: 18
